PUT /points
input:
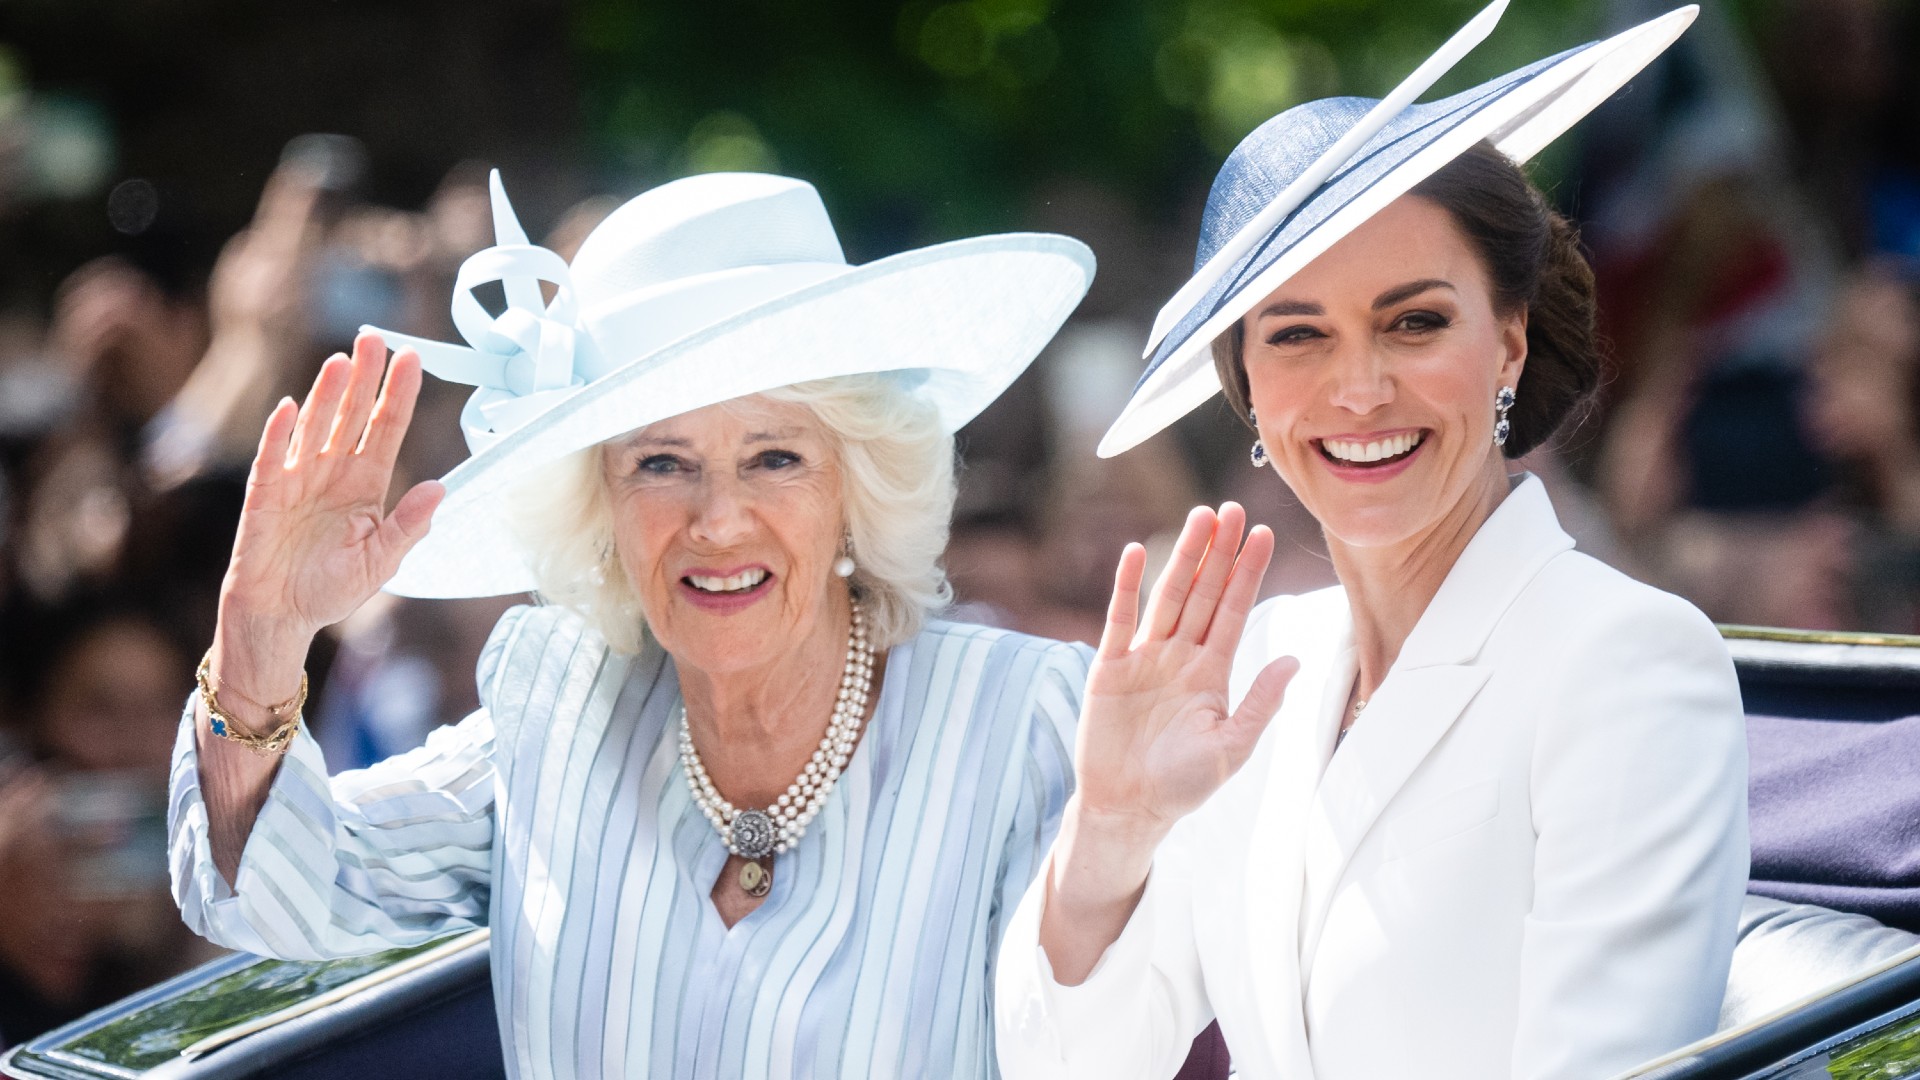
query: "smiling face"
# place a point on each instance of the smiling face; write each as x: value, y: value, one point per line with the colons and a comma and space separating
x: 727, y: 521
x: 1373, y: 373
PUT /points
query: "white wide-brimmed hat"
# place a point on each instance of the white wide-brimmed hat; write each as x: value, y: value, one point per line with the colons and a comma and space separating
x: 1311, y: 175
x: 700, y: 291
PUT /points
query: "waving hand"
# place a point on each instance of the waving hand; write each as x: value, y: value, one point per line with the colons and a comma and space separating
x: 1156, y: 736
x: 315, y: 540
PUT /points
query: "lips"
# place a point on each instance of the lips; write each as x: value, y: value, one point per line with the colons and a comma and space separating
x: 1371, y: 453
x: 744, y: 581
x: 726, y: 591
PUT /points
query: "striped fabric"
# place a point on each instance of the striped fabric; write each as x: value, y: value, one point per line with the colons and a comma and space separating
x: 558, y: 815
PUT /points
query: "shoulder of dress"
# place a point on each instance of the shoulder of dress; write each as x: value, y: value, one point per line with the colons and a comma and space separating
x: 1606, y: 600
x: 530, y: 637
x: 940, y: 631
x: 1584, y: 619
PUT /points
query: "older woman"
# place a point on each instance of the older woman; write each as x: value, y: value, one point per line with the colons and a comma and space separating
x: 734, y: 805
x: 1497, y: 826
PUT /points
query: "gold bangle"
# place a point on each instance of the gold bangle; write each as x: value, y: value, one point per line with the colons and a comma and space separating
x: 227, y: 726
x: 287, y: 707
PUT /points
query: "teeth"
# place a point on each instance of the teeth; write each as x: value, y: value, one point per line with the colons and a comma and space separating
x: 1377, y: 450
x: 740, y: 582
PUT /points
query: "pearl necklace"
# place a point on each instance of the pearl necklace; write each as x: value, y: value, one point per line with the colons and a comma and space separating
x: 755, y: 834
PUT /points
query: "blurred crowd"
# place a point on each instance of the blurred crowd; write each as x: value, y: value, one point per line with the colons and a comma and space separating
x: 1754, y: 223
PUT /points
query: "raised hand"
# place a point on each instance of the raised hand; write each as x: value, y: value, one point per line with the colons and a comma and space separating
x: 1156, y: 736
x: 315, y: 540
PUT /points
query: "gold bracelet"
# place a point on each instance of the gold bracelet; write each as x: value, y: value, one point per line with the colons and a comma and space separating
x: 225, y: 725
x: 279, y: 712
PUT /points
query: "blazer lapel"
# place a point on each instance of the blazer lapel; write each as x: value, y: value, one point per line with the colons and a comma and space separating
x: 1404, y: 721
x: 1429, y: 686
x: 1304, y: 730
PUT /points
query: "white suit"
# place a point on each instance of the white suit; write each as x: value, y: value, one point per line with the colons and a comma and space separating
x: 1526, y: 860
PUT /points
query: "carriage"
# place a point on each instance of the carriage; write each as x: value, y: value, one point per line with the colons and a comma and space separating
x: 1826, y: 989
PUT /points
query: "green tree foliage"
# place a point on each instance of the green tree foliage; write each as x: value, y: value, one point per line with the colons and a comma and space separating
x: 934, y: 118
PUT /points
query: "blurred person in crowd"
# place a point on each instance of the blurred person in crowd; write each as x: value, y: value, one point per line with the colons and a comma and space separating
x: 1478, y: 811
x: 1862, y: 391
x: 258, y: 302
x: 128, y: 338
x: 85, y: 916
x: 1722, y: 496
x: 1862, y: 411
x: 121, y: 343
x: 733, y: 498
x: 1712, y: 265
x: 1850, y: 109
x: 1040, y: 509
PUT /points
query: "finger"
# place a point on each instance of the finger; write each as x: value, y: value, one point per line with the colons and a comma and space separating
x: 271, y: 458
x: 1176, y: 579
x: 1197, y: 614
x: 393, y: 413
x: 1123, y: 611
x: 288, y: 211
x: 316, y: 415
x: 1243, y: 590
x: 407, y: 524
x: 1263, y: 698
x: 363, y: 388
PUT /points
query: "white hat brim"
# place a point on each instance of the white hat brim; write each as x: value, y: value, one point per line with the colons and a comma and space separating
x: 1519, y: 124
x: 961, y: 319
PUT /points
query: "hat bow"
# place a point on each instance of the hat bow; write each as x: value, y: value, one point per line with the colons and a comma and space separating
x: 527, y: 357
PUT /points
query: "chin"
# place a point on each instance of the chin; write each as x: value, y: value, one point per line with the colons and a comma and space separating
x: 724, y: 650
x: 1366, y: 523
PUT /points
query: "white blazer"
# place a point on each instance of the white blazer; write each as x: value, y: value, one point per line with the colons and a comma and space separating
x: 1526, y: 860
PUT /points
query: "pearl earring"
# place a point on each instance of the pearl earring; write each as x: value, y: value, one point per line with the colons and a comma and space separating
x: 1259, y: 455
x: 1502, y: 401
x: 843, y: 566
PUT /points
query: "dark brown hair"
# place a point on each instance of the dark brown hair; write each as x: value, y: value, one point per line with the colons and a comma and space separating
x: 1533, y: 260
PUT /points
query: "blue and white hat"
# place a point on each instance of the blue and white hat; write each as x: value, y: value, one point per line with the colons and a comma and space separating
x: 1314, y: 173
x: 700, y: 291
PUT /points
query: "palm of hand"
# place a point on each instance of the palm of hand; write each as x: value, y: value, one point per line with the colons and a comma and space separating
x: 328, y: 541
x: 1157, y: 737
x: 313, y: 542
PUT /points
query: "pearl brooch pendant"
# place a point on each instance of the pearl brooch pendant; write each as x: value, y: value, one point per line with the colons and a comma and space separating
x: 757, y: 834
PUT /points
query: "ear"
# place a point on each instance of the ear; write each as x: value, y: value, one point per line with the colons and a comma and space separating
x: 1513, y: 351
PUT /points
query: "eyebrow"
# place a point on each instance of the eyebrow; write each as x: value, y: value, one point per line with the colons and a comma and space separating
x: 1284, y: 308
x: 781, y: 435
x: 1410, y: 290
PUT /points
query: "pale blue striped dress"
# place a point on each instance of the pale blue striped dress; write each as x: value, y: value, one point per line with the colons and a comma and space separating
x: 557, y: 814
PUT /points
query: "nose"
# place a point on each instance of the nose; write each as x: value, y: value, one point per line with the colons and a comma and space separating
x: 1361, y: 382
x: 722, y: 515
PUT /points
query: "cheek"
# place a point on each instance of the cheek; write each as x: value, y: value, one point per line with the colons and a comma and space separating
x: 806, y: 519
x: 644, y: 531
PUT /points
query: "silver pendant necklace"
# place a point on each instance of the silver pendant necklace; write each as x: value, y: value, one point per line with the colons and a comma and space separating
x: 755, y: 834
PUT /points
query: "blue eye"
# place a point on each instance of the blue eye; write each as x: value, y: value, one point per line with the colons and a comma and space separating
x: 777, y: 459
x: 660, y: 464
